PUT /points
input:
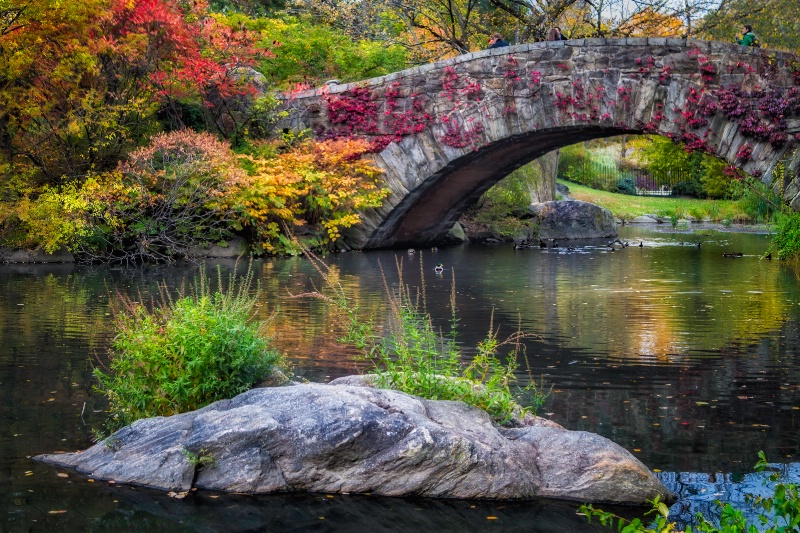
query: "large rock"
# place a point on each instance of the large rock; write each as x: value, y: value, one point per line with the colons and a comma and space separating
x: 349, y: 439
x: 14, y: 255
x: 573, y: 220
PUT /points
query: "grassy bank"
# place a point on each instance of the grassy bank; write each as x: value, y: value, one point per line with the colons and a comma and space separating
x: 627, y: 207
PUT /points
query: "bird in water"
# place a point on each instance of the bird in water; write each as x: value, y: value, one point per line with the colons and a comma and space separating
x: 439, y: 268
x: 641, y: 244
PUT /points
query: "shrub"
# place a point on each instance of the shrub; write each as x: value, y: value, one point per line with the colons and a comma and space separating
x: 185, y: 353
x: 787, y: 236
x: 164, y: 200
x: 320, y: 185
x: 626, y: 186
x: 687, y: 188
x: 758, y: 202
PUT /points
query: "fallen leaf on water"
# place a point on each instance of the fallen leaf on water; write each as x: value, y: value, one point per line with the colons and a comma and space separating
x: 59, y: 511
x: 742, y: 397
x: 62, y: 474
x: 656, y: 470
x: 637, y: 450
x: 491, y: 518
x: 701, y: 403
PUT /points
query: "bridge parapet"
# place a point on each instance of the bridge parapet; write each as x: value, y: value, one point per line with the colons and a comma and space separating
x: 446, y: 131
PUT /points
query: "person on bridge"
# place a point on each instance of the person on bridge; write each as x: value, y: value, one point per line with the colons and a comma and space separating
x: 748, y: 37
x: 496, y: 41
x: 555, y: 34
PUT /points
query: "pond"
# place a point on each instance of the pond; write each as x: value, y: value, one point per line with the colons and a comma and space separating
x: 686, y: 357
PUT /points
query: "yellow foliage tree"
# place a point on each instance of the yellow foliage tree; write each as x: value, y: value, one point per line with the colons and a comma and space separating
x: 320, y: 185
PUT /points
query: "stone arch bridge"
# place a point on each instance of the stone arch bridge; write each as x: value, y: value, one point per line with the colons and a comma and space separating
x: 445, y: 132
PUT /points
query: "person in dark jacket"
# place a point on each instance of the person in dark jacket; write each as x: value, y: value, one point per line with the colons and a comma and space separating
x: 748, y: 37
x: 555, y: 34
x: 496, y: 41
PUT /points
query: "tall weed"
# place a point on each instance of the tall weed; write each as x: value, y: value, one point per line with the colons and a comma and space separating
x: 417, y: 358
x: 185, y: 353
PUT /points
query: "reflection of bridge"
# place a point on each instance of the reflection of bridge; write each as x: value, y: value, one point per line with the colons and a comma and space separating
x: 447, y: 131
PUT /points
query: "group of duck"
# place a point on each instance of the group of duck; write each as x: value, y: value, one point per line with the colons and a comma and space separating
x: 616, y: 244
x: 530, y: 243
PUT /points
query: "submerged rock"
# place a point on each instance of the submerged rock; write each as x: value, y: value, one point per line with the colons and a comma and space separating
x: 573, y: 219
x: 349, y: 439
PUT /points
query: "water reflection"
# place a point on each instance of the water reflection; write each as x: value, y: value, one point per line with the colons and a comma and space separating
x: 679, y: 354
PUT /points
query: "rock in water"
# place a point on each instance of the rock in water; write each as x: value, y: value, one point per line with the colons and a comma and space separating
x: 573, y: 220
x: 348, y: 438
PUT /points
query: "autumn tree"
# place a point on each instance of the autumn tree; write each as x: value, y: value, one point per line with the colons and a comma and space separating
x: 82, y: 81
x: 319, y: 186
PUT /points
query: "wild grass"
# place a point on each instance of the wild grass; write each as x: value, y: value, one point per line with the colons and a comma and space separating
x: 182, y: 354
x: 417, y: 358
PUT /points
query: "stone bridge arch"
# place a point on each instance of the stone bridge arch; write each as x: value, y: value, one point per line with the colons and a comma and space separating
x: 446, y: 132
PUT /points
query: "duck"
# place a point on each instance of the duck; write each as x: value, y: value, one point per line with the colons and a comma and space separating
x: 542, y: 244
x: 439, y: 268
x: 641, y: 244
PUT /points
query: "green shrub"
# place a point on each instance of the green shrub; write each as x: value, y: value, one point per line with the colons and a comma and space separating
x: 185, y: 353
x: 786, y: 240
x: 687, y: 188
x: 626, y: 186
x: 757, y: 200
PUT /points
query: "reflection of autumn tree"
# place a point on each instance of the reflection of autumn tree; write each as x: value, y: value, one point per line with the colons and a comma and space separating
x: 306, y: 328
x: 653, y: 309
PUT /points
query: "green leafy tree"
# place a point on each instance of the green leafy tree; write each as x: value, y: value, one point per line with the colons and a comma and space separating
x: 775, y: 22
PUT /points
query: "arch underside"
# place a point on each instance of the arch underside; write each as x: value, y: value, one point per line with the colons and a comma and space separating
x: 426, y: 214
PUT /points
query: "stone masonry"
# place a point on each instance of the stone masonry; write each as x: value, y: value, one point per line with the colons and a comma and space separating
x: 447, y: 131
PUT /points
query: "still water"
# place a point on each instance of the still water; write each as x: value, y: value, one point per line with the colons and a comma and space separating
x: 685, y: 357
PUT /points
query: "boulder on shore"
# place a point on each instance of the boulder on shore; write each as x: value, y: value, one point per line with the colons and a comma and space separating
x: 573, y: 219
x: 350, y: 439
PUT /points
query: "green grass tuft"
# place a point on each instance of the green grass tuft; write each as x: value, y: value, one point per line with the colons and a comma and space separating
x: 185, y: 353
